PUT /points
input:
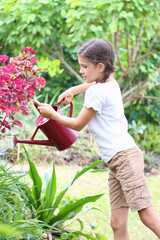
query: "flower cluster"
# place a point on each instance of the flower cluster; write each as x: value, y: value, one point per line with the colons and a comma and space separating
x: 18, y: 82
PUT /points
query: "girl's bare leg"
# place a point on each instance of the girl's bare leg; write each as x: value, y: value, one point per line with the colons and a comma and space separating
x: 119, y: 222
x: 149, y: 217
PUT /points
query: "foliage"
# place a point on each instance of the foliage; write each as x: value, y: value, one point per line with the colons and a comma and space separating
x: 147, y: 136
x: 46, y: 206
x: 14, y: 213
x: 57, y: 29
x: 18, y: 81
x: 133, y: 29
x: 45, y: 201
x: 9, y: 197
x: 32, y: 211
x: 51, y: 67
x: 145, y: 110
x: 6, y: 229
x: 53, y: 26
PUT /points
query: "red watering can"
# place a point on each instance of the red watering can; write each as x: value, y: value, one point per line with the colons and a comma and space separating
x: 58, y: 135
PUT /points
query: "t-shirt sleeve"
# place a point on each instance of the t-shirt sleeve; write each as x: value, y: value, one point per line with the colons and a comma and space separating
x: 93, y: 99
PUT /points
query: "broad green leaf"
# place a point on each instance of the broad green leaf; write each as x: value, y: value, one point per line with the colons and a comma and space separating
x: 7, y: 229
x: 51, y: 188
x: 100, y: 236
x: 49, y: 193
x: 69, y: 209
x: 31, y: 18
x: 37, y: 181
x: 77, y: 175
x: 28, y: 194
x: 120, y: 6
x: 123, y: 14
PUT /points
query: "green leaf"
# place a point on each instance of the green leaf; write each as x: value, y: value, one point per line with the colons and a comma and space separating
x: 49, y: 193
x: 27, y: 195
x: 143, y: 68
x: 31, y: 17
x: 81, y: 224
x: 1, y: 23
x: 88, y: 236
x: 120, y: 6
x: 100, y: 236
x: 93, y: 226
x: 6, y: 229
x: 123, y: 14
x: 77, y: 175
x: 67, y: 211
x: 37, y: 181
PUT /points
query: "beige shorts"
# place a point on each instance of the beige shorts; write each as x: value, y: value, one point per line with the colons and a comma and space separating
x: 127, y: 183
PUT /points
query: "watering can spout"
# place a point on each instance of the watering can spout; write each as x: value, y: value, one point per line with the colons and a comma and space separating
x: 58, y: 135
x: 36, y: 142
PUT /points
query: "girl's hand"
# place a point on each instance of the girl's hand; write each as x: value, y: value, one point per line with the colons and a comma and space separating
x: 47, y: 111
x: 65, y: 97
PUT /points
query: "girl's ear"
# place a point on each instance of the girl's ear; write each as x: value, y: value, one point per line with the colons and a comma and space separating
x: 101, y: 67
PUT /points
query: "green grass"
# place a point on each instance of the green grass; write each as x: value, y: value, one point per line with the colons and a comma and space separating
x: 96, y: 183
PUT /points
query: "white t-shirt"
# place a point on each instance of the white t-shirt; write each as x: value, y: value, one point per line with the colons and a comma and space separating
x: 109, y: 126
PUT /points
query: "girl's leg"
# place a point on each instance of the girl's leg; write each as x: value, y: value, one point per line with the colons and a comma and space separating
x: 119, y: 221
x: 149, y: 217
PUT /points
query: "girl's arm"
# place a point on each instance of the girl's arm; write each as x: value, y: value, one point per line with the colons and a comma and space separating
x: 75, y: 123
x: 66, y: 96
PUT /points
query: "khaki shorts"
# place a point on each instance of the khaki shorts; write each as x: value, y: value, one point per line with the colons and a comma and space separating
x: 127, y: 183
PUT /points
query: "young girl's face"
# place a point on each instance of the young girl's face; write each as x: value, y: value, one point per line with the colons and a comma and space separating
x: 90, y: 71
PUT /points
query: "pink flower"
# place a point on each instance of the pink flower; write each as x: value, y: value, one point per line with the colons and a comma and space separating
x: 40, y: 82
x: 18, y: 123
x: 3, y: 58
x: 15, y: 108
x: 18, y: 83
x: 2, y: 83
x: 28, y: 49
x: 30, y: 93
x: 5, y: 77
x: 34, y: 60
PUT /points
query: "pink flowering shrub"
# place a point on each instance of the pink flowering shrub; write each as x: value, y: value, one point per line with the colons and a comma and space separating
x: 18, y: 82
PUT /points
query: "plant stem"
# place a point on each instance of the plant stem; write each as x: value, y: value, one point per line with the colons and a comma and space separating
x: 3, y: 121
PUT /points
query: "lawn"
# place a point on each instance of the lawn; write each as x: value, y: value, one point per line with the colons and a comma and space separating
x: 95, y: 183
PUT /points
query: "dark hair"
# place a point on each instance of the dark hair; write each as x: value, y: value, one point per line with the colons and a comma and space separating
x: 99, y: 51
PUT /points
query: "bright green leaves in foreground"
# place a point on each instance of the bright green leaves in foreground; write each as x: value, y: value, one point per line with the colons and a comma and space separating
x: 46, y: 203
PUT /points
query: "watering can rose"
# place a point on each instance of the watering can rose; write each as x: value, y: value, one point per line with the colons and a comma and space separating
x: 18, y: 83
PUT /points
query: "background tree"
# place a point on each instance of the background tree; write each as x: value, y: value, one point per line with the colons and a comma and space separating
x: 42, y: 26
x: 57, y: 28
x: 133, y: 28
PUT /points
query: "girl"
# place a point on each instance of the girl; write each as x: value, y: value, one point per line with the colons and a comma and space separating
x: 103, y: 112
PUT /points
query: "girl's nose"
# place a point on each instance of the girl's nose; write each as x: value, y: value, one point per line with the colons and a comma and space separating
x: 80, y: 71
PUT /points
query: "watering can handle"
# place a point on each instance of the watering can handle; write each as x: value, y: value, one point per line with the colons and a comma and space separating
x: 37, y: 104
x: 71, y: 108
